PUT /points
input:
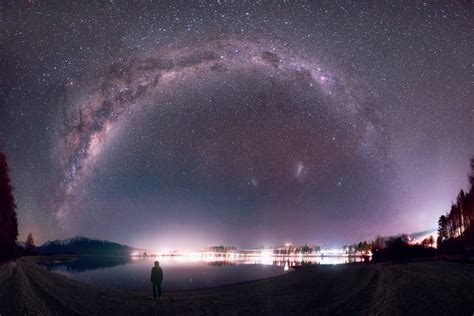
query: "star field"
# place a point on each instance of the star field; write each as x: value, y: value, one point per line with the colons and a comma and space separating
x: 176, y: 124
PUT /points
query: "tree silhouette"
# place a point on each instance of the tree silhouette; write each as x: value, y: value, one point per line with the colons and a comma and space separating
x: 426, y: 242
x: 30, y: 244
x: 8, y: 220
x: 351, y: 249
x: 344, y: 248
x: 456, y: 229
x: 378, y: 244
x: 365, y: 247
x: 460, y: 204
x: 443, y: 228
x: 305, y: 249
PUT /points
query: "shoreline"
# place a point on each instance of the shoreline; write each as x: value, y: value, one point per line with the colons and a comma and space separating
x: 428, y: 287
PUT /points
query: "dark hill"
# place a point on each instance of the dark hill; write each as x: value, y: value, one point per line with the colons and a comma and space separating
x: 84, y: 246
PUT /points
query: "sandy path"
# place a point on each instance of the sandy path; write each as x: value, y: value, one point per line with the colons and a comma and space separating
x: 415, y: 288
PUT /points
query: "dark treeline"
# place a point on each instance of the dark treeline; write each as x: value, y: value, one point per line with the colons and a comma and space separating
x: 455, y: 235
x: 297, y: 250
x: 398, y: 249
x: 8, y: 220
x: 362, y: 247
x: 456, y: 228
x: 395, y: 248
x: 222, y: 248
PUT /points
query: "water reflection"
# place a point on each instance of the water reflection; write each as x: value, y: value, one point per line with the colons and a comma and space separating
x: 230, y: 259
x: 85, y: 263
x: 184, y: 272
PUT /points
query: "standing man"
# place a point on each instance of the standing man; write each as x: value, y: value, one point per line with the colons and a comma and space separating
x: 156, y: 278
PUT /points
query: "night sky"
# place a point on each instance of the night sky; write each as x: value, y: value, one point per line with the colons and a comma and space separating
x: 187, y: 124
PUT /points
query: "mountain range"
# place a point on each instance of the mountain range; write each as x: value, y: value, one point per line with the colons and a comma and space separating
x: 80, y: 245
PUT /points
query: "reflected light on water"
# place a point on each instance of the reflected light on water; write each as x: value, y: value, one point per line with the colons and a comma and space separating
x: 263, y: 257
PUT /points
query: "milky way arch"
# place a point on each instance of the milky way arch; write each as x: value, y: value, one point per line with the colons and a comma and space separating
x: 127, y: 85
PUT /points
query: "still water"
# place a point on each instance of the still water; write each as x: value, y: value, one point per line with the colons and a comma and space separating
x: 179, y: 273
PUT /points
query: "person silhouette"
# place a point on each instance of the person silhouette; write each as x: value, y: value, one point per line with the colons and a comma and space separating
x: 156, y: 278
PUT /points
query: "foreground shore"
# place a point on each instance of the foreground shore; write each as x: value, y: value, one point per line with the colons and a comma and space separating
x: 428, y: 288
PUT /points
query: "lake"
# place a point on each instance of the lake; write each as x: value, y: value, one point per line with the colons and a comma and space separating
x: 180, y: 273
